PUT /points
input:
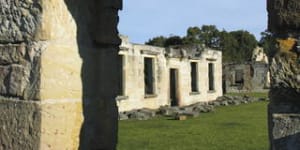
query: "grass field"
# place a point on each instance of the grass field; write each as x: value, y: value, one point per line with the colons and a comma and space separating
x: 241, y: 127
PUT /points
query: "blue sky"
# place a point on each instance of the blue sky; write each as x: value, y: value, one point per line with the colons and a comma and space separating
x: 144, y: 19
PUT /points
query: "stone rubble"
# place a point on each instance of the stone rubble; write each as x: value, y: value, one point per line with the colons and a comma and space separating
x: 193, y: 110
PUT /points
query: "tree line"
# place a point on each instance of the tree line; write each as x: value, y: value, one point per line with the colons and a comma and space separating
x: 236, y: 46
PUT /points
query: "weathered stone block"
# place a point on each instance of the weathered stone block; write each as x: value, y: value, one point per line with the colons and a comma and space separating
x: 60, y: 72
x: 20, y: 124
x: 19, y: 78
x: 284, y: 83
x: 39, y: 125
x: 20, y: 65
x: 19, y: 20
x: 12, y: 54
x: 4, y: 79
x: 61, y: 124
x: 285, y: 131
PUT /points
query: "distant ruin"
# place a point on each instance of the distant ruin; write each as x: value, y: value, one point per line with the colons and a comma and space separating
x: 251, y: 76
x: 246, y: 77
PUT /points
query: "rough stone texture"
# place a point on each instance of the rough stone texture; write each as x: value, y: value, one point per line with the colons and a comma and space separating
x: 285, y: 86
x: 20, y: 125
x: 19, y: 20
x: 284, y: 128
x: 285, y: 133
x: 284, y: 118
x: 20, y: 70
x: 284, y: 16
x: 284, y: 108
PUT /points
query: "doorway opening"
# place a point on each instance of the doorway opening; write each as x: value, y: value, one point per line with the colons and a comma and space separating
x: 174, y: 87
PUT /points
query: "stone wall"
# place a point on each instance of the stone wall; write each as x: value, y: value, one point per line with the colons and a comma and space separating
x: 40, y: 83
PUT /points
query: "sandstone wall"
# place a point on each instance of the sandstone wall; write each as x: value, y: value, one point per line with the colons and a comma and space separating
x: 186, y: 96
x: 40, y: 84
x: 133, y: 73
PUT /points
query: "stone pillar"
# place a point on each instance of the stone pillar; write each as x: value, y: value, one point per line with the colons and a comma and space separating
x: 284, y: 108
x: 59, y: 74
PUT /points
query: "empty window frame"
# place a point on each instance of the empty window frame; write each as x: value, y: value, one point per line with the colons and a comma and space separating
x: 194, y: 77
x: 149, y: 75
x: 239, y: 77
x: 211, y: 77
x: 122, y: 75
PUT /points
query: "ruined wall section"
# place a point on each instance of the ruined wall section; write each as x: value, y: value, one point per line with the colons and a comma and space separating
x: 40, y: 85
x: 20, y: 57
x: 20, y: 49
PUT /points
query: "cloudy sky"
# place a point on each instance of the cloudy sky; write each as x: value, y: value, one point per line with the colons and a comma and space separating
x: 144, y: 19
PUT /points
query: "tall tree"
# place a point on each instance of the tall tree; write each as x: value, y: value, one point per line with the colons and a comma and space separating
x: 192, y: 36
x: 157, y: 41
x: 246, y: 44
x: 173, y: 40
x: 268, y: 42
x: 228, y: 46
x: 209, y: 35
x: 237, y: 46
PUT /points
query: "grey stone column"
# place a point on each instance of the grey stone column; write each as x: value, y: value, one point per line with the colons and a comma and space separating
x: 98, y: 41
x: 284, y: 108
x: 100, y: 76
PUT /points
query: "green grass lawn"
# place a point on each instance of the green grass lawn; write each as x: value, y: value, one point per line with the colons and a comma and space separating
x: 241, y: 127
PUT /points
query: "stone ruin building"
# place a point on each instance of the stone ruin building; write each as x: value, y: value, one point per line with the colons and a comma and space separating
x: 176, y: 76
x: 252, y: 76
x: 246, y: 77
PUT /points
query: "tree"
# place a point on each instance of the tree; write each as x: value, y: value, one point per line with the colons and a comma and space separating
x: 268, y: 42
x: 192, y: 36
x: 157, y: 41
x: 237, y: 46
x: 209, y: 35
x: 228, y: 46
x: 173, y: 40
x: 246, y: 44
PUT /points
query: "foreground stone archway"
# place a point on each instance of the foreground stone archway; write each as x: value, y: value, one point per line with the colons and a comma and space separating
x: 55, y: 84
